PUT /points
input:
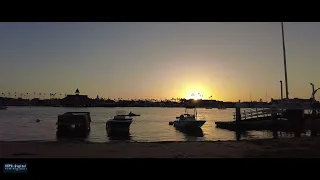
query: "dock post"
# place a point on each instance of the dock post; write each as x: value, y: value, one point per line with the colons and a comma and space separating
x: 314, y: 130
x: 238, y: 119
x: 238, y: 135
x: 274, y: 120
x: 295, y: 116
x: 238, y: 114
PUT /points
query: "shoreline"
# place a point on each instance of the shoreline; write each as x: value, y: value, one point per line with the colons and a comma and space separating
x: 115, y: 106
x: 303, y: 147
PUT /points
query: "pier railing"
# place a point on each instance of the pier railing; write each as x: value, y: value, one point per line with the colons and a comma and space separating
x: 256, y: 113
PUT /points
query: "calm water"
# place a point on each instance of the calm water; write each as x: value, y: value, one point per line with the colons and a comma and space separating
x: 19, y: 123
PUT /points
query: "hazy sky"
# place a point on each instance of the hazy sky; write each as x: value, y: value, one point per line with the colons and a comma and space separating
x: 159, y: 60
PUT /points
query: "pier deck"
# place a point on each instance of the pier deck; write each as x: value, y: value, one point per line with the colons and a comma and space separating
x: 275, y: 119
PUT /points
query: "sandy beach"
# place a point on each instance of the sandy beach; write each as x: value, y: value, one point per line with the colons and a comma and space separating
x: 267, y: 148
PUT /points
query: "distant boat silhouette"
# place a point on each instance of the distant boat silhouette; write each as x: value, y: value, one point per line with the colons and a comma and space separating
x: 3, y: 107
x: 221, y: 107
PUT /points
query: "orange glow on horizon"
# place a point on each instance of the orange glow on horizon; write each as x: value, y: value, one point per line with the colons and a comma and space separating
x: 195, y: 95
x: 197, y: 90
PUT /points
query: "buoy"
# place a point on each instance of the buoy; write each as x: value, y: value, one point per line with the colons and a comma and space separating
x: 170, y: 123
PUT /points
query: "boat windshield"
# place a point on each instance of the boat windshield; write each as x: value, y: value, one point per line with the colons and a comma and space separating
x: 121, y: 113
x: 186, y: 116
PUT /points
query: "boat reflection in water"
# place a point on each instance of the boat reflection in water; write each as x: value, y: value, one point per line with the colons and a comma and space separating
x: 191, y: 133
x: 71, y: 136
x: 119, y: 136
x: 240, y: 134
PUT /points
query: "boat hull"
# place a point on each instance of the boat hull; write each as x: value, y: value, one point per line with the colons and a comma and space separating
x: 80, y: 121
x: 120, y: 126
x: 188, y: 124
x: 134, y: 115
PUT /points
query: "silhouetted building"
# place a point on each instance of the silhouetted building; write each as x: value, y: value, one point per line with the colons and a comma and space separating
x: 77, y: 100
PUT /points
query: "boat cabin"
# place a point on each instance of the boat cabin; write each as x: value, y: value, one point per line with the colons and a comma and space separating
x: 121, y: 115
x: 69, y: 121
x: 188, y: 116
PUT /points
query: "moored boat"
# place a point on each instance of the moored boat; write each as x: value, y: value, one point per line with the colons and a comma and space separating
x: 119, y: 123
x: 74, y: 122
x: 188, y: 121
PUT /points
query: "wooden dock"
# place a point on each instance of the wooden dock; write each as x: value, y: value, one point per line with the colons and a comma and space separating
x: 296, y: 119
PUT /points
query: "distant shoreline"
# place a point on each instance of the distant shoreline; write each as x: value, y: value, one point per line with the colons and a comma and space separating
x: 84, y: 101
x: 107, y: 106
x: 261, y: 148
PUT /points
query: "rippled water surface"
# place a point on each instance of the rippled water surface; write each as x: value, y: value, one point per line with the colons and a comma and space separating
x: 19, y: 123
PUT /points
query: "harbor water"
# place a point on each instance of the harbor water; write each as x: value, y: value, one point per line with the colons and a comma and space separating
x: 19, y: 124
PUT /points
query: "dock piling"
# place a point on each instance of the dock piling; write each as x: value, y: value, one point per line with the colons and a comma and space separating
x: 238, y: 114
x: 245, y: 115
x: 295, y: 116
x: 314, y: 127
x: 274, y: 114
x: 274, y: 119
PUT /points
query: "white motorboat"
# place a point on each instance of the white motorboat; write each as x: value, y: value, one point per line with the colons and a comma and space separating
x: 120, y: 123
x: 187, y: 120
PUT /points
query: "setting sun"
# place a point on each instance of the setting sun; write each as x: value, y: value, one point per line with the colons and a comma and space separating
x: 195, y: 95
x: 196, y: 92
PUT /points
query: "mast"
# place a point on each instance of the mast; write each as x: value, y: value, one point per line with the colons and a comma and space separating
x: 281, y: 91
x: 266, y: 97
x: 285, y: 62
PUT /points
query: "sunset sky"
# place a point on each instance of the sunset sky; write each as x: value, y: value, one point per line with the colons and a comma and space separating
x: 159, y: 60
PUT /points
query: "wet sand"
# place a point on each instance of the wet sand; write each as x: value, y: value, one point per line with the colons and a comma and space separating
x: 268, y: 148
